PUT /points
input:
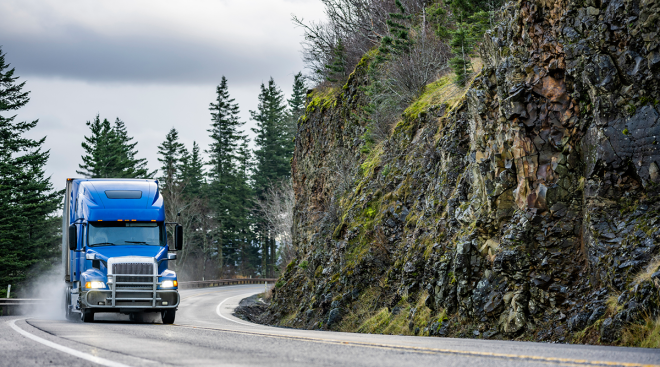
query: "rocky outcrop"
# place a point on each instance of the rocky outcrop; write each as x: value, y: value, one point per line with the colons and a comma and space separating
x: 525, y: 208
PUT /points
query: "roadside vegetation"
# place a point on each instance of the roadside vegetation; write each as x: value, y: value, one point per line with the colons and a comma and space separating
x: 418, y: 55
x: 414, y: 44
x: 29, y: 218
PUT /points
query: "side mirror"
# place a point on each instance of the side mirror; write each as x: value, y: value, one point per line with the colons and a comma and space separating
x: 178, y: 237
x: 171, y: 256
x: 73, y: 237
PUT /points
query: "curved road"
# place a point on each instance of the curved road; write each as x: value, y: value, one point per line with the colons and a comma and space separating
x: 205, y: 333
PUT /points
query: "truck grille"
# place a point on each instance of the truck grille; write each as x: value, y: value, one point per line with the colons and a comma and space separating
x: 133, y: 284
x: 134, y: 269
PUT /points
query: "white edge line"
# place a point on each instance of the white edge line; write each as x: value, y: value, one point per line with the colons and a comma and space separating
x: 217, y: 310
x: 61, y: 348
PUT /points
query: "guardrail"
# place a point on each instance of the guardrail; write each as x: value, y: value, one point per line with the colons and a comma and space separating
x: 12, y: 306
x: 221, y: 282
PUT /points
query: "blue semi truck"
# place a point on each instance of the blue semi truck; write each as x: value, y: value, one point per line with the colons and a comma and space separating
x: 115, y: 250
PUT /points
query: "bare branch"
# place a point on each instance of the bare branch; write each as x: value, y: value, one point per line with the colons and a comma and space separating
x: 277, y: 209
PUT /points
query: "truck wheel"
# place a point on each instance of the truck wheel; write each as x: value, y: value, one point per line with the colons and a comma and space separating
x: 168, y: 316
x: 87, y: 316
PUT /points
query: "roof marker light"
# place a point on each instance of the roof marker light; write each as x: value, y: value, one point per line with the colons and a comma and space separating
x: 119, y: 220
x: 153, y: 220
x: 100, y: 220
x: 132, y: 220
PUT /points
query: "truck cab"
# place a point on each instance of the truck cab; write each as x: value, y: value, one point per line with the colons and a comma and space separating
x: 115, y: 249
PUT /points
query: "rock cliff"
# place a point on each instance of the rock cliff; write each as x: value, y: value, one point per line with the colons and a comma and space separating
x: 523, y: 207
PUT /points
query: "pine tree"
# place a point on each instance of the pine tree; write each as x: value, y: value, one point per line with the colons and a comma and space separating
x: 297, y: 100
x: 102, y: 155
x: 272, y: 156
x: 296, y: 104
x: 192, y: 171
x: 438, y: 16
x: 461, y: 45
x: 171, y: 151
x: 401, y: 42
x: 224, y: 132
x: 248, y: 253
x: 225, y: 181
x: 472, y: 18
x: 336, y: 70
x: 272, y: 159
x: 171, y: 187
x: 110, y: 153
x: 129, y: 165
x: 397, y: 41
x: 28, y: 234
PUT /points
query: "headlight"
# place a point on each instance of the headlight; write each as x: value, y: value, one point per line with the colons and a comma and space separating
x: 169, y: 284
x: 95, y: 284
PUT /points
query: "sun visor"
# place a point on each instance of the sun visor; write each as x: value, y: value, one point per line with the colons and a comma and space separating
x: 130, y: 215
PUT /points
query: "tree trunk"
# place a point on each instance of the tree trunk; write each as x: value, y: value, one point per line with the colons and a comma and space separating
x: 273, y: 256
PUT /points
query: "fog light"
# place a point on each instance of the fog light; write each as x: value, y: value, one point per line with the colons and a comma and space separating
x: 101, y: 303
x: 95, y: 284
x: 165, y: 303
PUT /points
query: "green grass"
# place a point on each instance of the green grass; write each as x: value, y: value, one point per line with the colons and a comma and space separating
x: 645, y: 274
x: 645, y: 335
x: 435, y: 93
x: 383, y: 321
x: 377, y: 323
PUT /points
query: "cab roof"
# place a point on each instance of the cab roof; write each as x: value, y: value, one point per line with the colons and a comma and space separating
x: 117, y: 199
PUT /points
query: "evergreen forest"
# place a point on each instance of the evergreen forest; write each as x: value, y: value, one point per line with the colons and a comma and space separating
x: 29, y: 225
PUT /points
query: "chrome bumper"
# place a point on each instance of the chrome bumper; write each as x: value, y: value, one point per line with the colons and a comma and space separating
x: 131, y: 294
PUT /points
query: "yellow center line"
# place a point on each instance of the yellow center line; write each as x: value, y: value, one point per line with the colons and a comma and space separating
x: 425, y: 350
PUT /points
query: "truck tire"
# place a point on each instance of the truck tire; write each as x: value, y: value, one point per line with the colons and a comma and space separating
x: 168, y: 316
x: 87, y: 316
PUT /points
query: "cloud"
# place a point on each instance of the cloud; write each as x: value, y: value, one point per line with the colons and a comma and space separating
x: 153, y: 41
x: 152, y: 63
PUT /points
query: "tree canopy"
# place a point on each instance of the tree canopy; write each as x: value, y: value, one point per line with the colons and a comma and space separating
x: 110, y: 152
x: 28, y: 222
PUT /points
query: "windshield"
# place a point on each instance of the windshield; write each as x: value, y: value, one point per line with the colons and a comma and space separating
x: 122, y: 233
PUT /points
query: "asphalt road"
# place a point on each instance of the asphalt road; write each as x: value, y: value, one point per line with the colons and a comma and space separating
x: 205, y: 333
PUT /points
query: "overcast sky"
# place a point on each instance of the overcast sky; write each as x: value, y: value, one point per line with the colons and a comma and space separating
x: 152, y: 63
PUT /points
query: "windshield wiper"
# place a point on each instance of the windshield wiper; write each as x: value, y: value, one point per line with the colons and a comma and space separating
x: 142, y: 242
x: 104, y: 244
